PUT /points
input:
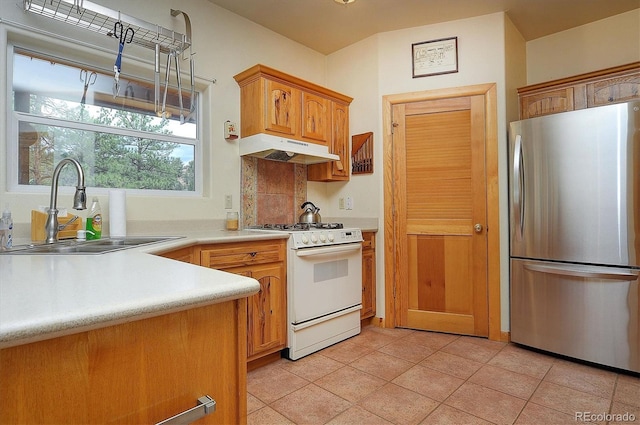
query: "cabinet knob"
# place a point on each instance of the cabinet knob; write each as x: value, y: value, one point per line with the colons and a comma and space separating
x: 477, y: 228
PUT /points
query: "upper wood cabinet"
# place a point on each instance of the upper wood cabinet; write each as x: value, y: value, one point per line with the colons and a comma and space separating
x: 282, y: 114
x: 612, y: 85
x: 316, y: 118
x: 336, y: 170
x: 276, y: 103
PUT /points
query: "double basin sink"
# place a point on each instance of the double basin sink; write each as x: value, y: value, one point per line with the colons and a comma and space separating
x: 99, y: 246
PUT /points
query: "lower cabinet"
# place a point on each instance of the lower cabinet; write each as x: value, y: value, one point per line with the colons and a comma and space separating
x: 140, y: 372
x: 266, y: 311
x: 368, y: 275
x: 264, y: 261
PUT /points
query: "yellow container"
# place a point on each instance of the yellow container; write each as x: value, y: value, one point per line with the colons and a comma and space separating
x: 38, y: 220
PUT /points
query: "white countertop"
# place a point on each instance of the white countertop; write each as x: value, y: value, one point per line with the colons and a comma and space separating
x: 46, y: 296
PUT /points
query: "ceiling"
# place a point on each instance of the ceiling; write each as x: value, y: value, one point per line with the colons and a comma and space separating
x: 326, y: 26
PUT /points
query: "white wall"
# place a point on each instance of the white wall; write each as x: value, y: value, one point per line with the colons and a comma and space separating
x: 602, y: 44
x: 225, y: 44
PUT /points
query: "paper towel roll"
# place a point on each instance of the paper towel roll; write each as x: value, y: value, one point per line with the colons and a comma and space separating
x: 117, y: 213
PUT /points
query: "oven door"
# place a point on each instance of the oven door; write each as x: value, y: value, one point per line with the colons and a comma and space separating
x: 324, y: 280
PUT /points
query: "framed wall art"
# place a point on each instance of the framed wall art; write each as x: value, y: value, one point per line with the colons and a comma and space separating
x: 435, y: 57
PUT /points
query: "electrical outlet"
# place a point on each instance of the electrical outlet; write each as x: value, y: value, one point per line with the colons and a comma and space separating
x: 228, y: 202
x: 341, y: 203
x: 349, y: 203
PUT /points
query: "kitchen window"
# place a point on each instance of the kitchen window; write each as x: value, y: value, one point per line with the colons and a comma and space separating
x: 61, y: 108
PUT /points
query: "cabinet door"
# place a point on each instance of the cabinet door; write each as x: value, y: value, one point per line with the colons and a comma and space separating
x: 282, y: 108
x: 368, y: 276
x: 550, y: 102
x: 316, y: 118
x: 140, y: 372
x: 340, y: 142
x: 335, y: 170
x: 613, y: 90
x: 266, y: 310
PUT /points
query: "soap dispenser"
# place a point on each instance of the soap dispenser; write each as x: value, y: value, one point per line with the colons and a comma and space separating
x: 6, y: 230
x: 94, y: 220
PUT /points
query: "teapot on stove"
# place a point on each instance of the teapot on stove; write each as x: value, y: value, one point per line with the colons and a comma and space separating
x: 311, y: 214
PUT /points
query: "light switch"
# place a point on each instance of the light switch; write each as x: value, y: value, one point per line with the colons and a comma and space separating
x: 341, y: 203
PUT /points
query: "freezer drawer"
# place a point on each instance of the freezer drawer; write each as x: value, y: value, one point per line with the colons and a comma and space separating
x: 585, y: 312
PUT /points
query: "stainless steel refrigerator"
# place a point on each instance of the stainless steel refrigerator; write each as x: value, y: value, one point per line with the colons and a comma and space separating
x: 574, y: 189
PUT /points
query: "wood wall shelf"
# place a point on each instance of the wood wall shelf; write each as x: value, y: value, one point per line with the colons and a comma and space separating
x: 362, y: 153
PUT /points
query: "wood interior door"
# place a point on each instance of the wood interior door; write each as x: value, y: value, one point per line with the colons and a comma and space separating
x: 440, y: 202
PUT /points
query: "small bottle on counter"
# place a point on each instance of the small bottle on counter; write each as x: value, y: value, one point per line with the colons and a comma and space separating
x: 6, y: 230
x: 94, y: 220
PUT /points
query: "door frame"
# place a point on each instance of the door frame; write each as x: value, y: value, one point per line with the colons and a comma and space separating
x: 493, y: 211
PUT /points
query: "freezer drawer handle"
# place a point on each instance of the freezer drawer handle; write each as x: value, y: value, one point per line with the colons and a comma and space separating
x: 205, y: 406
x: 577, y: 273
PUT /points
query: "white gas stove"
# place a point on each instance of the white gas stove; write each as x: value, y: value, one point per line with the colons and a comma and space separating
x: 324, y: 284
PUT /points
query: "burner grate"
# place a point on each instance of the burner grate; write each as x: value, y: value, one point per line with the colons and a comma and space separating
x: 298, y: 226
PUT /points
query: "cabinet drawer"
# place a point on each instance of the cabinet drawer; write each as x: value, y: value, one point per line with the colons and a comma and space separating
x: 241, y: 254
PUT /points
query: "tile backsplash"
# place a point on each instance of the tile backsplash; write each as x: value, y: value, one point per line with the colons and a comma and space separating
x: 272, y: 191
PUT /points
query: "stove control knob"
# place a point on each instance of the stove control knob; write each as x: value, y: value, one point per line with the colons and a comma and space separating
x: 323, y: 238
x: 314, y: 238
x: 330, y: 237
x: 304, y: 239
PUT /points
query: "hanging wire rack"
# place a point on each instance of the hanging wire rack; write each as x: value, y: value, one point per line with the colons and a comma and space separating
x: 100, y: 19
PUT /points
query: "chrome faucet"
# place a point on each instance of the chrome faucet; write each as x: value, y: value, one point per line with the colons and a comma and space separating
x: 79, y: 199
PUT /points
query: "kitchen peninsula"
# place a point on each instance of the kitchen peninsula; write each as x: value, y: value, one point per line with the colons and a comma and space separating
x: 125, y: 336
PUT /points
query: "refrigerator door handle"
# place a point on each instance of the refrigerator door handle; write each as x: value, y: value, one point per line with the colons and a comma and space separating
x: 518, y: 184
x: 607, y: 275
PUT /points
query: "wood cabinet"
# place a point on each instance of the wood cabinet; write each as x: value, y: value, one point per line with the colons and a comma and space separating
x: 264, y: 261
x: 335, y: 170
x: 276, y: 103
x: 138, y: 372
x: 368, y: 275
x: 612, y: 85
x: 185, y: 255
x: 282, y: 110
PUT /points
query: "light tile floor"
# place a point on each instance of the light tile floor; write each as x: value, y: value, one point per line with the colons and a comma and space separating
x: 400, y: 376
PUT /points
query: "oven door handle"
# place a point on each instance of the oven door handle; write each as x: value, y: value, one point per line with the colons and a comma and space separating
x: 306, y: 252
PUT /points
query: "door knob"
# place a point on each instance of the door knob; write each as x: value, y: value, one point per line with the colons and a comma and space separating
x: 477, y: 228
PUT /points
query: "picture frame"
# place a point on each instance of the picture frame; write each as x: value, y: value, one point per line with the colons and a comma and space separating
x: 434, y: 57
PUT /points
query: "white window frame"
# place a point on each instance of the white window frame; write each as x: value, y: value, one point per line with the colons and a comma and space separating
x: 14, y: 117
